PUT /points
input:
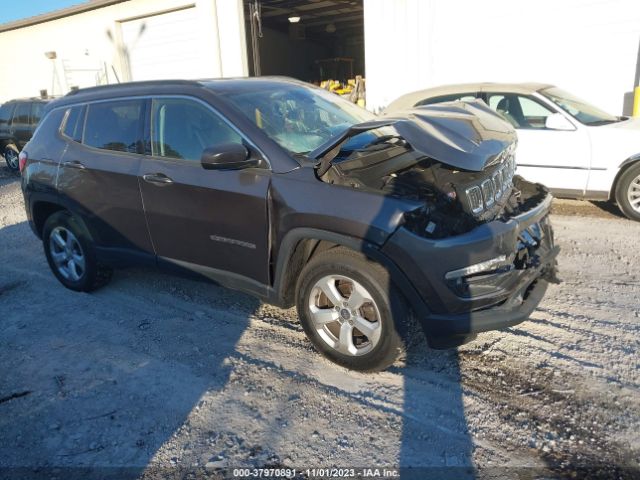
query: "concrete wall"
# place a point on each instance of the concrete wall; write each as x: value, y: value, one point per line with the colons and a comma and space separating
x: 588, y: 47
x: 90, y: 46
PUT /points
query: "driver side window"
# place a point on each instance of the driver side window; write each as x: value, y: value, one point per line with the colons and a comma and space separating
x: 521, y: 111
x: 183, y: 129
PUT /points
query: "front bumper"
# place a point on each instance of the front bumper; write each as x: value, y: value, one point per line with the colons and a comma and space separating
x: 459, y: 301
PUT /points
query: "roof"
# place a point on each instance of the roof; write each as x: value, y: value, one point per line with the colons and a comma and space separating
x: 410, y: 99
x: 57, y: 14
x: 29, y: 99
x: 162, y: 87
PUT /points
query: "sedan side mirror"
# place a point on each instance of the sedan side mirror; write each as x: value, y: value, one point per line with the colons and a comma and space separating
x: 557, y: 121
x: 227, y: 156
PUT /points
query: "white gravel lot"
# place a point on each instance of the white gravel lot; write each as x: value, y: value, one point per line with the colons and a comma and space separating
x: 163, y: 376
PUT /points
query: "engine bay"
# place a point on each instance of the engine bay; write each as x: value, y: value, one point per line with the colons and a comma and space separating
x: 391, y: 167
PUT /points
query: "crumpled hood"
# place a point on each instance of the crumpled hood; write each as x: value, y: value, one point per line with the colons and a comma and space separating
x: 467, y: 135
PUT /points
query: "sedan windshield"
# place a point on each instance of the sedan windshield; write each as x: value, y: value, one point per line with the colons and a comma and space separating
x: 577, y: 108
x: 297, y: 117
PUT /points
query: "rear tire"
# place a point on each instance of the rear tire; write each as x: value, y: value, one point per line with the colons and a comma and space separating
x: 628, y: 192
x: 351, y: 311
x: 11, y: 156
x: 71, y: 255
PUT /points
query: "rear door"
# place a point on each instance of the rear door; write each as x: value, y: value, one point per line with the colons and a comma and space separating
x: 98, y: 175
x: 21, y: 124
x: 37, y: 109
x: 208, y: 221
x: 6, y: 113
x: 559, y: 159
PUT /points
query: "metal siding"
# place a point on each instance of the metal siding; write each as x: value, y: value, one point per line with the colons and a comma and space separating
x: 585, y: 46
x: 164, y: 46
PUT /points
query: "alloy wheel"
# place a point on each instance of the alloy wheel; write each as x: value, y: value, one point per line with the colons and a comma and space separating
x: 67, y: 254
x: 11, y: 156
x: 345, y: 315
x: 633, y: 194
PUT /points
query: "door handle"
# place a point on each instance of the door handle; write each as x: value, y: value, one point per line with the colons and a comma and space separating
x: 157, y: 178
x: 74, y: 164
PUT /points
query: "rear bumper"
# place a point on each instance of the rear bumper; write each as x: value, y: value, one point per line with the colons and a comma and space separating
x: 490, y: 278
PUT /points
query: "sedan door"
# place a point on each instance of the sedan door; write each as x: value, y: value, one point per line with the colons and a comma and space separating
x: 214, y: 222
x: 559, y: 159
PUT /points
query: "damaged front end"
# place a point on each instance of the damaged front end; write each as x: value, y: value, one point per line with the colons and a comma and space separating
x: 458, y: 160
x: 480, y: 241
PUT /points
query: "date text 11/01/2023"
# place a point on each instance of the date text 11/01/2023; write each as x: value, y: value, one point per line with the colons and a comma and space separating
x: 315, y: 472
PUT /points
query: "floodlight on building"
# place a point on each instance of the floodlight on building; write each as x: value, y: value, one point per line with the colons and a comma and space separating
x: 294, y: 19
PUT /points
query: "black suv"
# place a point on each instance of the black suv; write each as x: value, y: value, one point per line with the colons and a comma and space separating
x: 18, y: 120
x: 286, y: 191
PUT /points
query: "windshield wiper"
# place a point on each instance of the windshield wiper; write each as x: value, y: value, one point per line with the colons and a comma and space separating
x: 597, y: 123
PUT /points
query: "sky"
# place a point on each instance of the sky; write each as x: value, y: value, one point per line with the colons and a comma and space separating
x: 11, y: 10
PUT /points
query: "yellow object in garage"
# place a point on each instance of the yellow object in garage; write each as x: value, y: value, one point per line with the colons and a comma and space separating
x: 636, y: 102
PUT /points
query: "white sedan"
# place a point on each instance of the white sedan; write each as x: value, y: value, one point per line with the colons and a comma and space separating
x: 572, y: 147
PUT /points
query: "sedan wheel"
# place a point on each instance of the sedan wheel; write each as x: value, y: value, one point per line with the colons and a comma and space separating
x: 627, y: 192
x: 633, y: 194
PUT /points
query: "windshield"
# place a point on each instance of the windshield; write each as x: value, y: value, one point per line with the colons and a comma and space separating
x: 577, y: 108
x: 298, y: 118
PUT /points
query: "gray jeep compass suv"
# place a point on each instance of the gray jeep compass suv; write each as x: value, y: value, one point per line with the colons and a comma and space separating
x: 288, y: 192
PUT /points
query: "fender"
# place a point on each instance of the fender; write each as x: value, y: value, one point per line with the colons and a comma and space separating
x: 370, y: 250
x: 629, y: 161
x: 621, y: 169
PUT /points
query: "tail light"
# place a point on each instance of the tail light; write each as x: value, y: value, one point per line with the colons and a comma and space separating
x: 22, y: 160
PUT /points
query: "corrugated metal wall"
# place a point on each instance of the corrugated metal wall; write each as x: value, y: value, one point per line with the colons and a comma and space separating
x: 589, y: 47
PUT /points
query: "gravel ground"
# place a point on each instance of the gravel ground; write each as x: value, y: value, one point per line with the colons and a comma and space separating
x: 157, y: 376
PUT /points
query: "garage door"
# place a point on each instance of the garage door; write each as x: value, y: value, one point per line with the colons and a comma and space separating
x: 164, y: 46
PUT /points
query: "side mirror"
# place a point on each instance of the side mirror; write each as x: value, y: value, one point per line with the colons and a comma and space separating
x: 557, y: 121
x: 227, y: 156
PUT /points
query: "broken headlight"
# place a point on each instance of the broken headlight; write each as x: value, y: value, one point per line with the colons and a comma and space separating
x: 485, y: 194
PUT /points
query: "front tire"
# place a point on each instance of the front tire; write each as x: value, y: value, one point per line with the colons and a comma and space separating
x: 628, y: 192
x: 11, y: 156
x: 351, y: 311
x: 70, y: 253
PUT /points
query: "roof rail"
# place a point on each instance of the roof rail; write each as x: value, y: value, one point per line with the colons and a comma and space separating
x: 147, y: 83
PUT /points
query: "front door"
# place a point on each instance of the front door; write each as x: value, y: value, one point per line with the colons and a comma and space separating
x: 559, y: 159
x: 208, y: 221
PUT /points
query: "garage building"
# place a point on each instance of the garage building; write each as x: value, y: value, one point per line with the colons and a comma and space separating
x: 589, y: 47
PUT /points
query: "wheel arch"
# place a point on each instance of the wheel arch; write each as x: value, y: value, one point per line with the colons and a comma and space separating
x: 41, y: 210
x: 622, y: 168
x: 301, y: 244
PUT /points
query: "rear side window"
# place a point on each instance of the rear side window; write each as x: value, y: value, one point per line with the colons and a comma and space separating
x: 36, y: 112
x: 5, y: 113
x: 74, y: 123
x: 447, y: 98
x: 183, y: 129
x: 115, y: 126
x: 22, y: 113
